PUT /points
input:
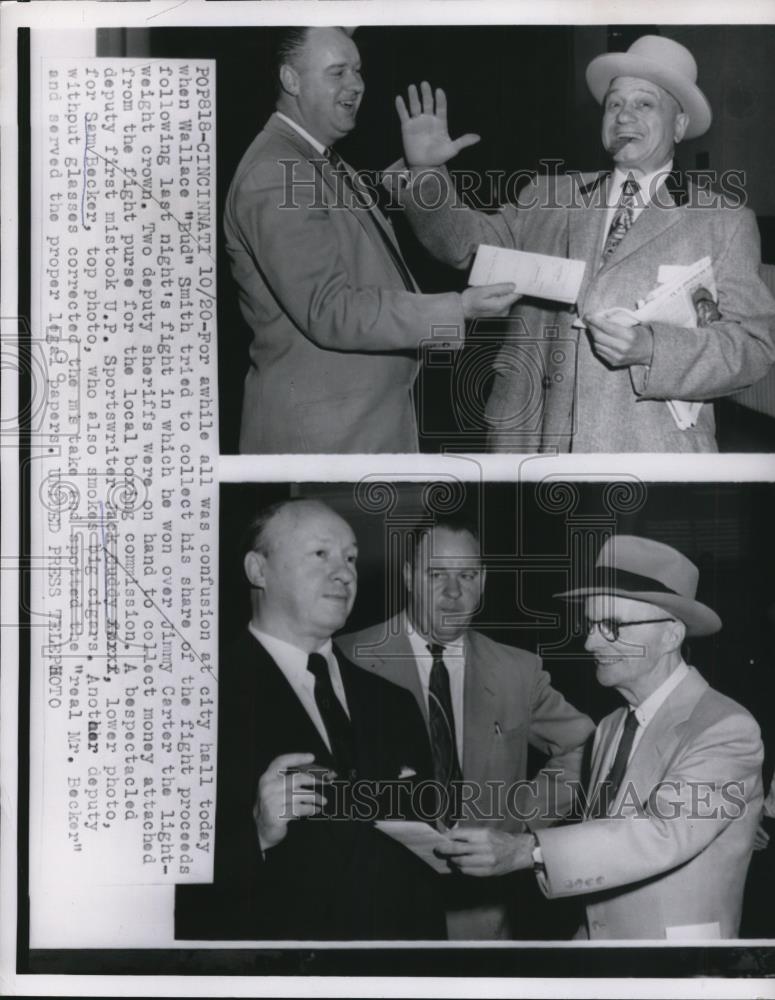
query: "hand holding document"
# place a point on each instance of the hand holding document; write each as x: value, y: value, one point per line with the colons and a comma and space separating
x: 684, y: 296
x: 421, y: 839
x: 535, y: 274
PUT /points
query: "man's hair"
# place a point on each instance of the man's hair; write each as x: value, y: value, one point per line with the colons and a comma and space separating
x: 458, y: 524
x: 289, y: 44
x: 257, y: 535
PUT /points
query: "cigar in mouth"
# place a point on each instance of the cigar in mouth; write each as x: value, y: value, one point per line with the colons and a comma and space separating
x: 618, y: 144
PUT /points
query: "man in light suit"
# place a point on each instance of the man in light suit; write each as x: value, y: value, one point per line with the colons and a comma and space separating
x: 337, y: 319
x: 605, y: 388
x: 495, y: 700
x: 299, y: 728
x: 676, y: 790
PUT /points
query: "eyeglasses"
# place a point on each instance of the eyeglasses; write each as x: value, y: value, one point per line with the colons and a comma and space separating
x: 609, y: 627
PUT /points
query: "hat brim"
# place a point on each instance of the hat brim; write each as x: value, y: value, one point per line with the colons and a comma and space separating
x: 698, y: 618
x: 605, y: 68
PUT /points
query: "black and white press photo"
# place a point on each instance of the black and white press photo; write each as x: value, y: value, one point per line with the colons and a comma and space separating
x: 388, y: 462
x: 466, y: 712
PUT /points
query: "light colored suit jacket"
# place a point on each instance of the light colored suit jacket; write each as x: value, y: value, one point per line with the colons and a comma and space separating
x: 550, y: 391
x: 670, y: 859
x: 335, y: 331
x: 508, y: 703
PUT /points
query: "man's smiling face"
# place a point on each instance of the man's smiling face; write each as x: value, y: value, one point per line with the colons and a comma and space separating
x: 327, y: 85
x: 641, y: 124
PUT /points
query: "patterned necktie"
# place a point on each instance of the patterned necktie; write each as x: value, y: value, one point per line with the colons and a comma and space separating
x: 363, y: 201
x: 333, y: 715
x: 446, y: 764
x: 608, y: 790
x: 623, y: 217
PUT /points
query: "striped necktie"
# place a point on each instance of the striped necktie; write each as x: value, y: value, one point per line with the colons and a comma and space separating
x: 623, y: 217
x: 441, y: 720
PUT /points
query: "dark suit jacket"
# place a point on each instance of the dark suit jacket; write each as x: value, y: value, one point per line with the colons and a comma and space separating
x: 330, y: 878
x: 335, y: 331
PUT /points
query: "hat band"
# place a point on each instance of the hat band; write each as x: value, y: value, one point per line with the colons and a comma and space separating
x: 610, y: 578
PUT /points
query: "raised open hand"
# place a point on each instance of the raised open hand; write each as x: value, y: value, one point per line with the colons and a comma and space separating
x: 424, y: 128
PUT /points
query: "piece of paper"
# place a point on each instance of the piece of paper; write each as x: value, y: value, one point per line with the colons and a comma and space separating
x: 534, y: 274
x: 694, y: 932
x: 420, y: 838
x: 669, y: 272
x: 673, y: 301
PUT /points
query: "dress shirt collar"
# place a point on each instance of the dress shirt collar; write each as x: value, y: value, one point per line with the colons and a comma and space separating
x: 452, y: 650
x: 291, y: 659
x: 647, y: 709
x: 649, y: 184
x: 317, y: 146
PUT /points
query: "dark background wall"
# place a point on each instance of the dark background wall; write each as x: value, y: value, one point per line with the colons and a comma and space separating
x: 522, y: 89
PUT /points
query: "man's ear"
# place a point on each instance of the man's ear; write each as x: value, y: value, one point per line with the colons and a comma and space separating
x: 676, y: 634
x: 289, y: 79
x: 254, y: 564
x: 681, y: 125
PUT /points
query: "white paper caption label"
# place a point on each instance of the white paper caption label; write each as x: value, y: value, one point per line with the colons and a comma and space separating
x: 125, y: 501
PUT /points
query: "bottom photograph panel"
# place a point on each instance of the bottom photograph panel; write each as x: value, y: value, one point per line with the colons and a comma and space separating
x: 473, y: 712
x: 466, y: 728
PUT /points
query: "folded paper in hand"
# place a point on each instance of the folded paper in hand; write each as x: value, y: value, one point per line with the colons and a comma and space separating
x: 535, y: 274
x: 672, y: 301
x: 420, y: 838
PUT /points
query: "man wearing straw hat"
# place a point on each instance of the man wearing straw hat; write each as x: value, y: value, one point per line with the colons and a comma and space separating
x: 675, y: 793
x: 575, y: 379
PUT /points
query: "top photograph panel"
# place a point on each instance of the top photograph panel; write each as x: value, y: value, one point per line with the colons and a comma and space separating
x: 491, y: 238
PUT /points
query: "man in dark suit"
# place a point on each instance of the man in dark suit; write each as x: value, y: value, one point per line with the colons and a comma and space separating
x: 301, y: 731
x: 494, y: 699
x: 337, y: 318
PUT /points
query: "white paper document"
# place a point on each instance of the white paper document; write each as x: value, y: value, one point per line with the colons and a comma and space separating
x: 673, y: 301
x: 420, y: 838
x: 534, y: 274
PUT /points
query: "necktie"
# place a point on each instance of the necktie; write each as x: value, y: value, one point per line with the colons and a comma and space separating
x: 363, y: 202
x: 334, y: 716
x: 609, y: 788
x: 623, y: 217
x: 446, y: 764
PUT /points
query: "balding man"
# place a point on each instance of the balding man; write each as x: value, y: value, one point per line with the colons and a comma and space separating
x: 605, y: 388
x: 337, y: 318
x: 676, y: 787
x: 299, y: 728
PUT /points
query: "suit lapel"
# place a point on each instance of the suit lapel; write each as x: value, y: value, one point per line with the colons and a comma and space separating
x: 277, y: 695
x: 661, y: 214
x: 393, y: 659
x: 317, y: 161
x: 661, y: 737
x: 480, y: 701
x: 605, y: 734
x: 585, y: 230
